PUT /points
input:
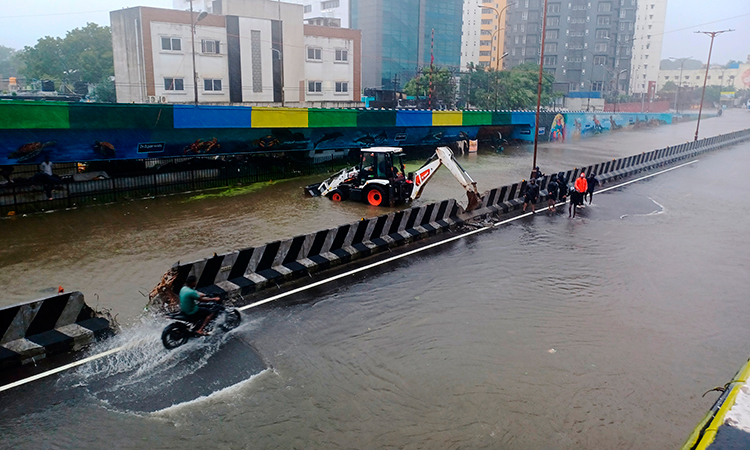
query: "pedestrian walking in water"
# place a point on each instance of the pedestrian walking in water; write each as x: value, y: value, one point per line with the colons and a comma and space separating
x: 577, y: 194
x: 532, y: 195
x: 562, y: 186
x: 553, y: 189
x: 591, y: 183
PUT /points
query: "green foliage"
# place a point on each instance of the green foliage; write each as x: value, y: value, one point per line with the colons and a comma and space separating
x: 104, y: 92
x: 9, y: 62
x: 669, y: 86
x: 443, y: 84
x: 508, y: 89
x: 84, y: 54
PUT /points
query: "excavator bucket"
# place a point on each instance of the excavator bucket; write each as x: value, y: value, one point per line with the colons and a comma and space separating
x: 474, y: 201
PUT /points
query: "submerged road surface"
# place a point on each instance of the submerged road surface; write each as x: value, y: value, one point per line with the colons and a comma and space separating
x: 116, y: 253
x: 596, y: 332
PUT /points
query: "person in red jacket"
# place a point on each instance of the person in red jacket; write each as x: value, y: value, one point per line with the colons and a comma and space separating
x: 576, y: 197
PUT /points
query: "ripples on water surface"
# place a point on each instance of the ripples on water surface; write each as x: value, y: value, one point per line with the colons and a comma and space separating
x: 644, y: 313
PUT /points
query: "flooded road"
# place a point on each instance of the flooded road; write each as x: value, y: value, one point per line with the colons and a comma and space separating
x: 116, y: 253
x: 598, y: 332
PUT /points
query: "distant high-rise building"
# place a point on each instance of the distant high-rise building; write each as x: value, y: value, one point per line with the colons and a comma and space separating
x: 327, y: 12
x: 647, y: 41
x: 482, y: 40
x: 397, y: 34
x: 587, y: 43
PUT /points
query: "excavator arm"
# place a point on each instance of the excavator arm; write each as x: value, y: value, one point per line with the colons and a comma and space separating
x: 444, y: 157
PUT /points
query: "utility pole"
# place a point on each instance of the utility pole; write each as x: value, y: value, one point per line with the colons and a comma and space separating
x: 192, y: 48
x: 432, y: 66
x: 679, y: 84
x: 541, y: 80
x: 281, y: 53
x: 713, y: 34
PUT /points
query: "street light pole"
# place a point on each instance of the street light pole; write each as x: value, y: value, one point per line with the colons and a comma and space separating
x: 192, y: 40
x: 499, y: 16
x: 713, y: 34
x: 679, y: 85
x: 280, y: 51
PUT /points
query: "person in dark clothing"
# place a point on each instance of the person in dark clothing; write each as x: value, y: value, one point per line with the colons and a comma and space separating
x: 536, y: 173
x: 552, y: 191
x: 562, y: 186
x: 592, y: 183
x: 532, y: 195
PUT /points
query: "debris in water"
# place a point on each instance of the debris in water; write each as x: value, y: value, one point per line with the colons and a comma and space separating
x: 552, y: 350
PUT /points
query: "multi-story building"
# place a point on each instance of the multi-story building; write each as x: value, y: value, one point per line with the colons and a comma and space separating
x: 397, y: 36
x: 246, y: 55
x: 482, y: 40
x: 647, y: 42
x: 209, y: 6
x: 736, y: 76
x: 327, y: 12
x: 587, y: 41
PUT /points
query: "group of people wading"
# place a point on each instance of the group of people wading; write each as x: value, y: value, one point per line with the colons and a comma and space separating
x: 557, y: 189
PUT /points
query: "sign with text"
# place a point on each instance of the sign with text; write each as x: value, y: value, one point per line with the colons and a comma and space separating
x: 151, y: 147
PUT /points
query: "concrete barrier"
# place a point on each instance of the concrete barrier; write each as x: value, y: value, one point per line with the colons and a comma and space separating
x: 233, y: 275
x: 53, y: 325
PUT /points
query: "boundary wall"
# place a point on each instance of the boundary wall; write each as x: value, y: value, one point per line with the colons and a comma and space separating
x: 245, y: 271
x: 58, y: 324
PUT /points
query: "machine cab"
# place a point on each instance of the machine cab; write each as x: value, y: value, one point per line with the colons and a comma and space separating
x: 381, y: 163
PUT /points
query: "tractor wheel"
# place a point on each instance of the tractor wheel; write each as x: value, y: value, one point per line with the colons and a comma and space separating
x: 376, y: 196
x: 336, y: 196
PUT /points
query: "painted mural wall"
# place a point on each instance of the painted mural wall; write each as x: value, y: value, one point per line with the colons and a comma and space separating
x: 75, y: 132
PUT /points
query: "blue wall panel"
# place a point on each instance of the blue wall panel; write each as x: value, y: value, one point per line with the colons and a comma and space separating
x: 414, y: 119
x: 189, y: 116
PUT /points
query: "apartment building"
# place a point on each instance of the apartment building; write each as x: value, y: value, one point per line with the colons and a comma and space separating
x: 587, y: 43
x: 647, y: 43
x: 331, y: 13
x: 247, y: 55
x: 482, y: 34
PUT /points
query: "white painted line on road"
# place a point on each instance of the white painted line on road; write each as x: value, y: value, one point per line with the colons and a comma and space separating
x: 333, y: 278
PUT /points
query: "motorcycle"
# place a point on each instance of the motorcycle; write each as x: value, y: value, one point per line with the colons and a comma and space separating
x: 178, y: 333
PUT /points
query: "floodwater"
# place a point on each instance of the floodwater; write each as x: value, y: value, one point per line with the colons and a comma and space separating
x: 116, y: 253
x: 548, y: 333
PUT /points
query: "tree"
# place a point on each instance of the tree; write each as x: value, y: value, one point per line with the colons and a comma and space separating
x: 669, y: 86
x: 9, y: 62
x: 84, y: 54
x: 104, y: 92
x: 508, y: 89
x: 443, y: 86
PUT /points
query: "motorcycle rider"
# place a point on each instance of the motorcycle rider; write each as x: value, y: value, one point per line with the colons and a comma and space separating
x: 190, y: 306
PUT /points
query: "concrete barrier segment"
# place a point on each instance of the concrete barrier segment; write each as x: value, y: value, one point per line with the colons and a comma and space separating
x: 49, y: 326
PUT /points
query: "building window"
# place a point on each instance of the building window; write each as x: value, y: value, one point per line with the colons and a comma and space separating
x: 342, y: 87
x: 525, y: 15
x: 597, y: 86
x: 579, y: 7
x: 486, y: 32
x: 553, y: 8
x: 212, y: 85
x: 602, y: 34
x: 602, y: 20
x: 600, y: 60
x: 314, y: 54
x: 550, y: 48
x: 211, y: 46
x: 550, y: 60
x: 487, y: 11
x: 552, y: 34
x: 171, y: 44
x: 605, y: 7
x: 330, y: 4
x: 623, y: 13
x: 553, y: 21
x: 342, y: 55
x: 308, y: 9
x: 600, y: 47
x: 485, y: 43
x: 315, y: 86
x: 174, y: 84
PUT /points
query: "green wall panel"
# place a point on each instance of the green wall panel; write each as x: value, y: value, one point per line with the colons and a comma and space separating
x: 376, y: 118
x: 323, y: 118
x: 477, y: 118
x: 28, y: 115
x: 501, y: 118
x: 101, y: 117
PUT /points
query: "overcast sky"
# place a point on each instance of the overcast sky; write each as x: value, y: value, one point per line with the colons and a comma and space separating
x: 22, y: 22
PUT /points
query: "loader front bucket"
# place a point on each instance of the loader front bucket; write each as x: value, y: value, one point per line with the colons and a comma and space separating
x: 312, y: 190
x: 474, y: 201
